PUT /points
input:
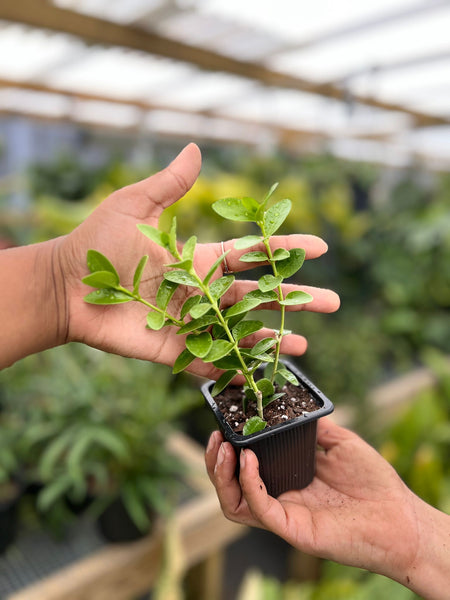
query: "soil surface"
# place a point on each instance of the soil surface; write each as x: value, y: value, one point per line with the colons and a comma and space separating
x: 295, y: 402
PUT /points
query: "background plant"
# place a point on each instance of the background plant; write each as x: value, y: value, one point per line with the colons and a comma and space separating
x: 213, y: 332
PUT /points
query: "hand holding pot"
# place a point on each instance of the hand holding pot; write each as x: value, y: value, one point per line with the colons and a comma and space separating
x: 42, y: 295
x: 357, y: 511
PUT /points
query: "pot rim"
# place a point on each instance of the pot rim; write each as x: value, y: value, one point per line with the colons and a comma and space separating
x: 238, y: 439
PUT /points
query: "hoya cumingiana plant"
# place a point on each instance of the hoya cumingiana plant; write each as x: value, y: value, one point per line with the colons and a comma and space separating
x: 214, y: 332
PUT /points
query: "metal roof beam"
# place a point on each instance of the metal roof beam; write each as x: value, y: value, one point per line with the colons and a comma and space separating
x: 42, y: 14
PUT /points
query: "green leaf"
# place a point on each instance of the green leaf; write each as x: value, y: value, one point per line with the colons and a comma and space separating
x: 266, y: 283
x: 155, y: 320
x: 270, y: 193
x: 253, y: 425
x: 254, y: 257
x: 218, y: 287
x: 219, y: 349
x: 138, y: 273
x: 181, y: 277
x: 135, y: 507
x: 186, y: 265
x: 242, y: 306
x: 189, y: 248
x: 280, y: 254
x: 214, y: 267
x: 199, y: 345
x: 294, y: 298
x: 197, y: 324
x: 107, y: 296
x: 289, y: 266
x: 262, y: 346
x: 245, y: 328
x: 96, y: 261
x: 165, y: 292
x: 53, y: 491
x: 269, y: 296
x: 190, y: 302
x: 266, y: 401
x: 173, y: 238
x: 222, y: 382
x: 231, y: 362
x: 287, y: 375
x: 159, y: 237
x: 200, y: 309
x: 237, y: 209
x: 265, y: 386
x: 183, y: 360
x: 247, y: 242
x: 101, y: 279
x: 275, y: 216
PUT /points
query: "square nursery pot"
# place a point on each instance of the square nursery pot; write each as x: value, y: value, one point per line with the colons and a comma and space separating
x: 286, y: 452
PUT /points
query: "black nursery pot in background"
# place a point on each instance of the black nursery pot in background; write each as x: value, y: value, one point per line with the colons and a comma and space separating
x: 286, y: 452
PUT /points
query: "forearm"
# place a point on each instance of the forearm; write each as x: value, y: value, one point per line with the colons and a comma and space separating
x: 429, y: 574
x: 32, y: 303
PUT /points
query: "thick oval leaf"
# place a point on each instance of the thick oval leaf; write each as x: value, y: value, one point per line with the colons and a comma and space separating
x: 247, y: 242
x: 173, y: 238
x: 200, y: 309
x: 218, y: 287
x: 253, y: 425
x: 265, y: 386
x: 287, y: 375
x: 199, y: 345
x: 228, y: 362
x: 219, y: 349
x: 214, y: 267
x: 101, y: 279
x: 294, y: 298
x: 262, y: 346
x: 242, y: 306
x: 159, y: 237
x: 155, y: 320
x: 237, y: 209
x: 289, y: 266
x: 275, y: 216
x: 182, y: 361
x: 190, y: 302
x: 107, y: 296
x: 268, y: 399
x: 245, y: 328
x: 280, y: 254
x: 181, y: 277
x: 222, y: 382
x: 197, y: 324
x: 269, y: 296
x: 165, y: 292
x: 254, y: 257
x: 138, y: 273
x: 96, y: 261
x: 266, y: 283
x: 189, y: 248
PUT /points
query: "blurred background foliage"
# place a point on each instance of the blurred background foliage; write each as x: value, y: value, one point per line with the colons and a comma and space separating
x: 388, y: 258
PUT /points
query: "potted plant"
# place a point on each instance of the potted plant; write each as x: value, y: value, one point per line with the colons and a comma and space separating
x: 275, y: 412
x: 103, y: 447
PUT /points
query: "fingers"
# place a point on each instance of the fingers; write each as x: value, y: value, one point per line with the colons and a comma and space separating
x: 220, y: 459
x: 314, y: 247
x: 149, y: 197
x: 324, y: 301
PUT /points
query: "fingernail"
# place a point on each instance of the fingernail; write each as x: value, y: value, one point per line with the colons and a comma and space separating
x: 221, y: 455
x: 212, y: 442
x: 242, y: 459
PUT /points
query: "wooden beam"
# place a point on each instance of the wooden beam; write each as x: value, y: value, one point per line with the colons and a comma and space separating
x: 42, y: 14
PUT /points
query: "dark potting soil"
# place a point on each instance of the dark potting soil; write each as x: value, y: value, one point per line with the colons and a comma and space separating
x: 296, y: 401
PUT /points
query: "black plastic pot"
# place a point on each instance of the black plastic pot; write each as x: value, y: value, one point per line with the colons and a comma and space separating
x: 9, y: 517
x: 286, y: 452
x: 116, y: 525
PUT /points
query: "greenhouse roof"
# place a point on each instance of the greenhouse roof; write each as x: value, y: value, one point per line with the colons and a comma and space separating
x: 366, y: 80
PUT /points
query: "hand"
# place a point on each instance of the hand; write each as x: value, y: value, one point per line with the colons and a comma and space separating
x: 357, y: 511
x: 112, y: 230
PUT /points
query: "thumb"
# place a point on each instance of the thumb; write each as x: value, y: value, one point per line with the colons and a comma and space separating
x: 153, y: 194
